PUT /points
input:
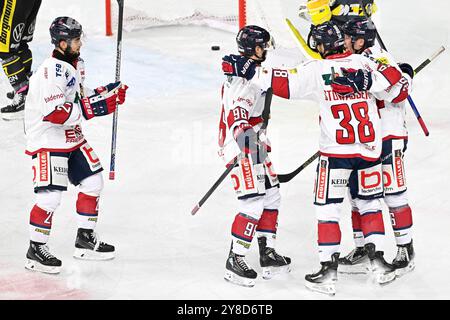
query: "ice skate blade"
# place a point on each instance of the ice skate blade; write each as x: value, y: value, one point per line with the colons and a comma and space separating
x: 360, y: 268
x: 238, y: 280
x: 10, y: 116
x: 36, y: 266
x: 87, y: 254
x: 402, y: 271
x: 324, y: 288
x: 269, y: 272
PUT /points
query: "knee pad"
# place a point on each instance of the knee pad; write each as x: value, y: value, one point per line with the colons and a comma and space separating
x: 397, y: 200
x: 328, y: 212
x: 365, y: 206
x: 48, y: 200
x: 272, y: 199
x: 252, y: 207
x: 92, y: 185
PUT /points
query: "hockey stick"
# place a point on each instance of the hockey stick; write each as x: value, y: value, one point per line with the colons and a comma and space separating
x: 112, y: 168
x: 410, y: 100
x: 265, y: 116
x: 306, y: 50
x: 283, y: 178
x: 427, y: 61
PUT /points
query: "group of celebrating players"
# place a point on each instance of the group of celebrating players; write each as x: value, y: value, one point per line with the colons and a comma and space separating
x: 361, y: 93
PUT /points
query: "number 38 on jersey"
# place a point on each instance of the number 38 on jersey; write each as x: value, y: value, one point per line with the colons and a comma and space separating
x: 355, y: 125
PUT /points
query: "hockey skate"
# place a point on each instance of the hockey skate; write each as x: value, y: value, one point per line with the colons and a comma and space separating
x: 404, y: 261
x: 324, y: 281
x: 40, y: 259
x: 88, y: 247
x: 271, y: 262
x: 382, y: 271
x: 238, y: 271
x: 356, y: 262
x: 15, y: 110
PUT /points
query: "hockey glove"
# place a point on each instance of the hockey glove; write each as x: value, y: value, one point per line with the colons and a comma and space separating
x: 352, y: 81
x: 247, y: 140
x: 240, y: 66
x: 116, y: 87
x: 406, y: 68
x: 108, y: 88
x: 100, y: 104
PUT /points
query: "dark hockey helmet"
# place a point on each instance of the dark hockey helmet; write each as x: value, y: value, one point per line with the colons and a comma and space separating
x: 249, y: 37
x: 361, y: 28
x: 65, y: 28
x: 330, y: 36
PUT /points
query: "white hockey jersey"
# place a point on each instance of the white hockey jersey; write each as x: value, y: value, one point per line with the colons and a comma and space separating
x: 52, y: 111
x: 242, y: 105
x: 393, y: 115
x: 350, y: 126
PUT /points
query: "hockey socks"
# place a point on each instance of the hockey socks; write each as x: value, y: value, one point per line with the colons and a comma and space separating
x: 401, y: 219
x: 40, y: 224
x: 267, y: 226
x: 373, y: 227
x: 329, y: 239
x: 358, y: 235
x: 242, y: 232
x: 87, y: 210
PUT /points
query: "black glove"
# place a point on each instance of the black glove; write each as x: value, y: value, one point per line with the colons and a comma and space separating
x: 352, y: 81
x: 406, y: 68
x: 240, y: 66
x: 248, y: 142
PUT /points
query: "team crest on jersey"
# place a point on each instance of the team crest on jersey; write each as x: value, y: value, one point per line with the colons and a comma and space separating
x: 74, y: 135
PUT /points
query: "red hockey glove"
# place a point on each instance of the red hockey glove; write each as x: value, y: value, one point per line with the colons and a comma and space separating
x: 121, y: 93
x: 98, y: 105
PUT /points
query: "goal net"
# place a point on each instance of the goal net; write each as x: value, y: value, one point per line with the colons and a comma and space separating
x: 226, y: 15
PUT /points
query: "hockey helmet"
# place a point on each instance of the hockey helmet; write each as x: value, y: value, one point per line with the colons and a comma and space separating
x: 249, y: 37
x: 65, y: 28
x: 330, y: 36
x: 361, y: 28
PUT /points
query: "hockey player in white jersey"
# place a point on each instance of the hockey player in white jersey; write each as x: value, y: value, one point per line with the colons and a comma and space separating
x: 345, y: 85
x: 57, y: 103
x: 360, y: 34
x: 255, y: 182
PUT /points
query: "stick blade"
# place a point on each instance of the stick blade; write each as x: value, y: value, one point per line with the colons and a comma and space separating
x: 112, y: 175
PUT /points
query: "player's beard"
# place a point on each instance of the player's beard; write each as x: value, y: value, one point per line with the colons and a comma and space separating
x: 71, y: 55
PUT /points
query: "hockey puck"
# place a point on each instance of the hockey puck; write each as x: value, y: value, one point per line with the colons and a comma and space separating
x: 215, y: 48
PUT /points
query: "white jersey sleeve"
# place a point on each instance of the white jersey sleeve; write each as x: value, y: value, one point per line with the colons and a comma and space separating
x: 392, y: 102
